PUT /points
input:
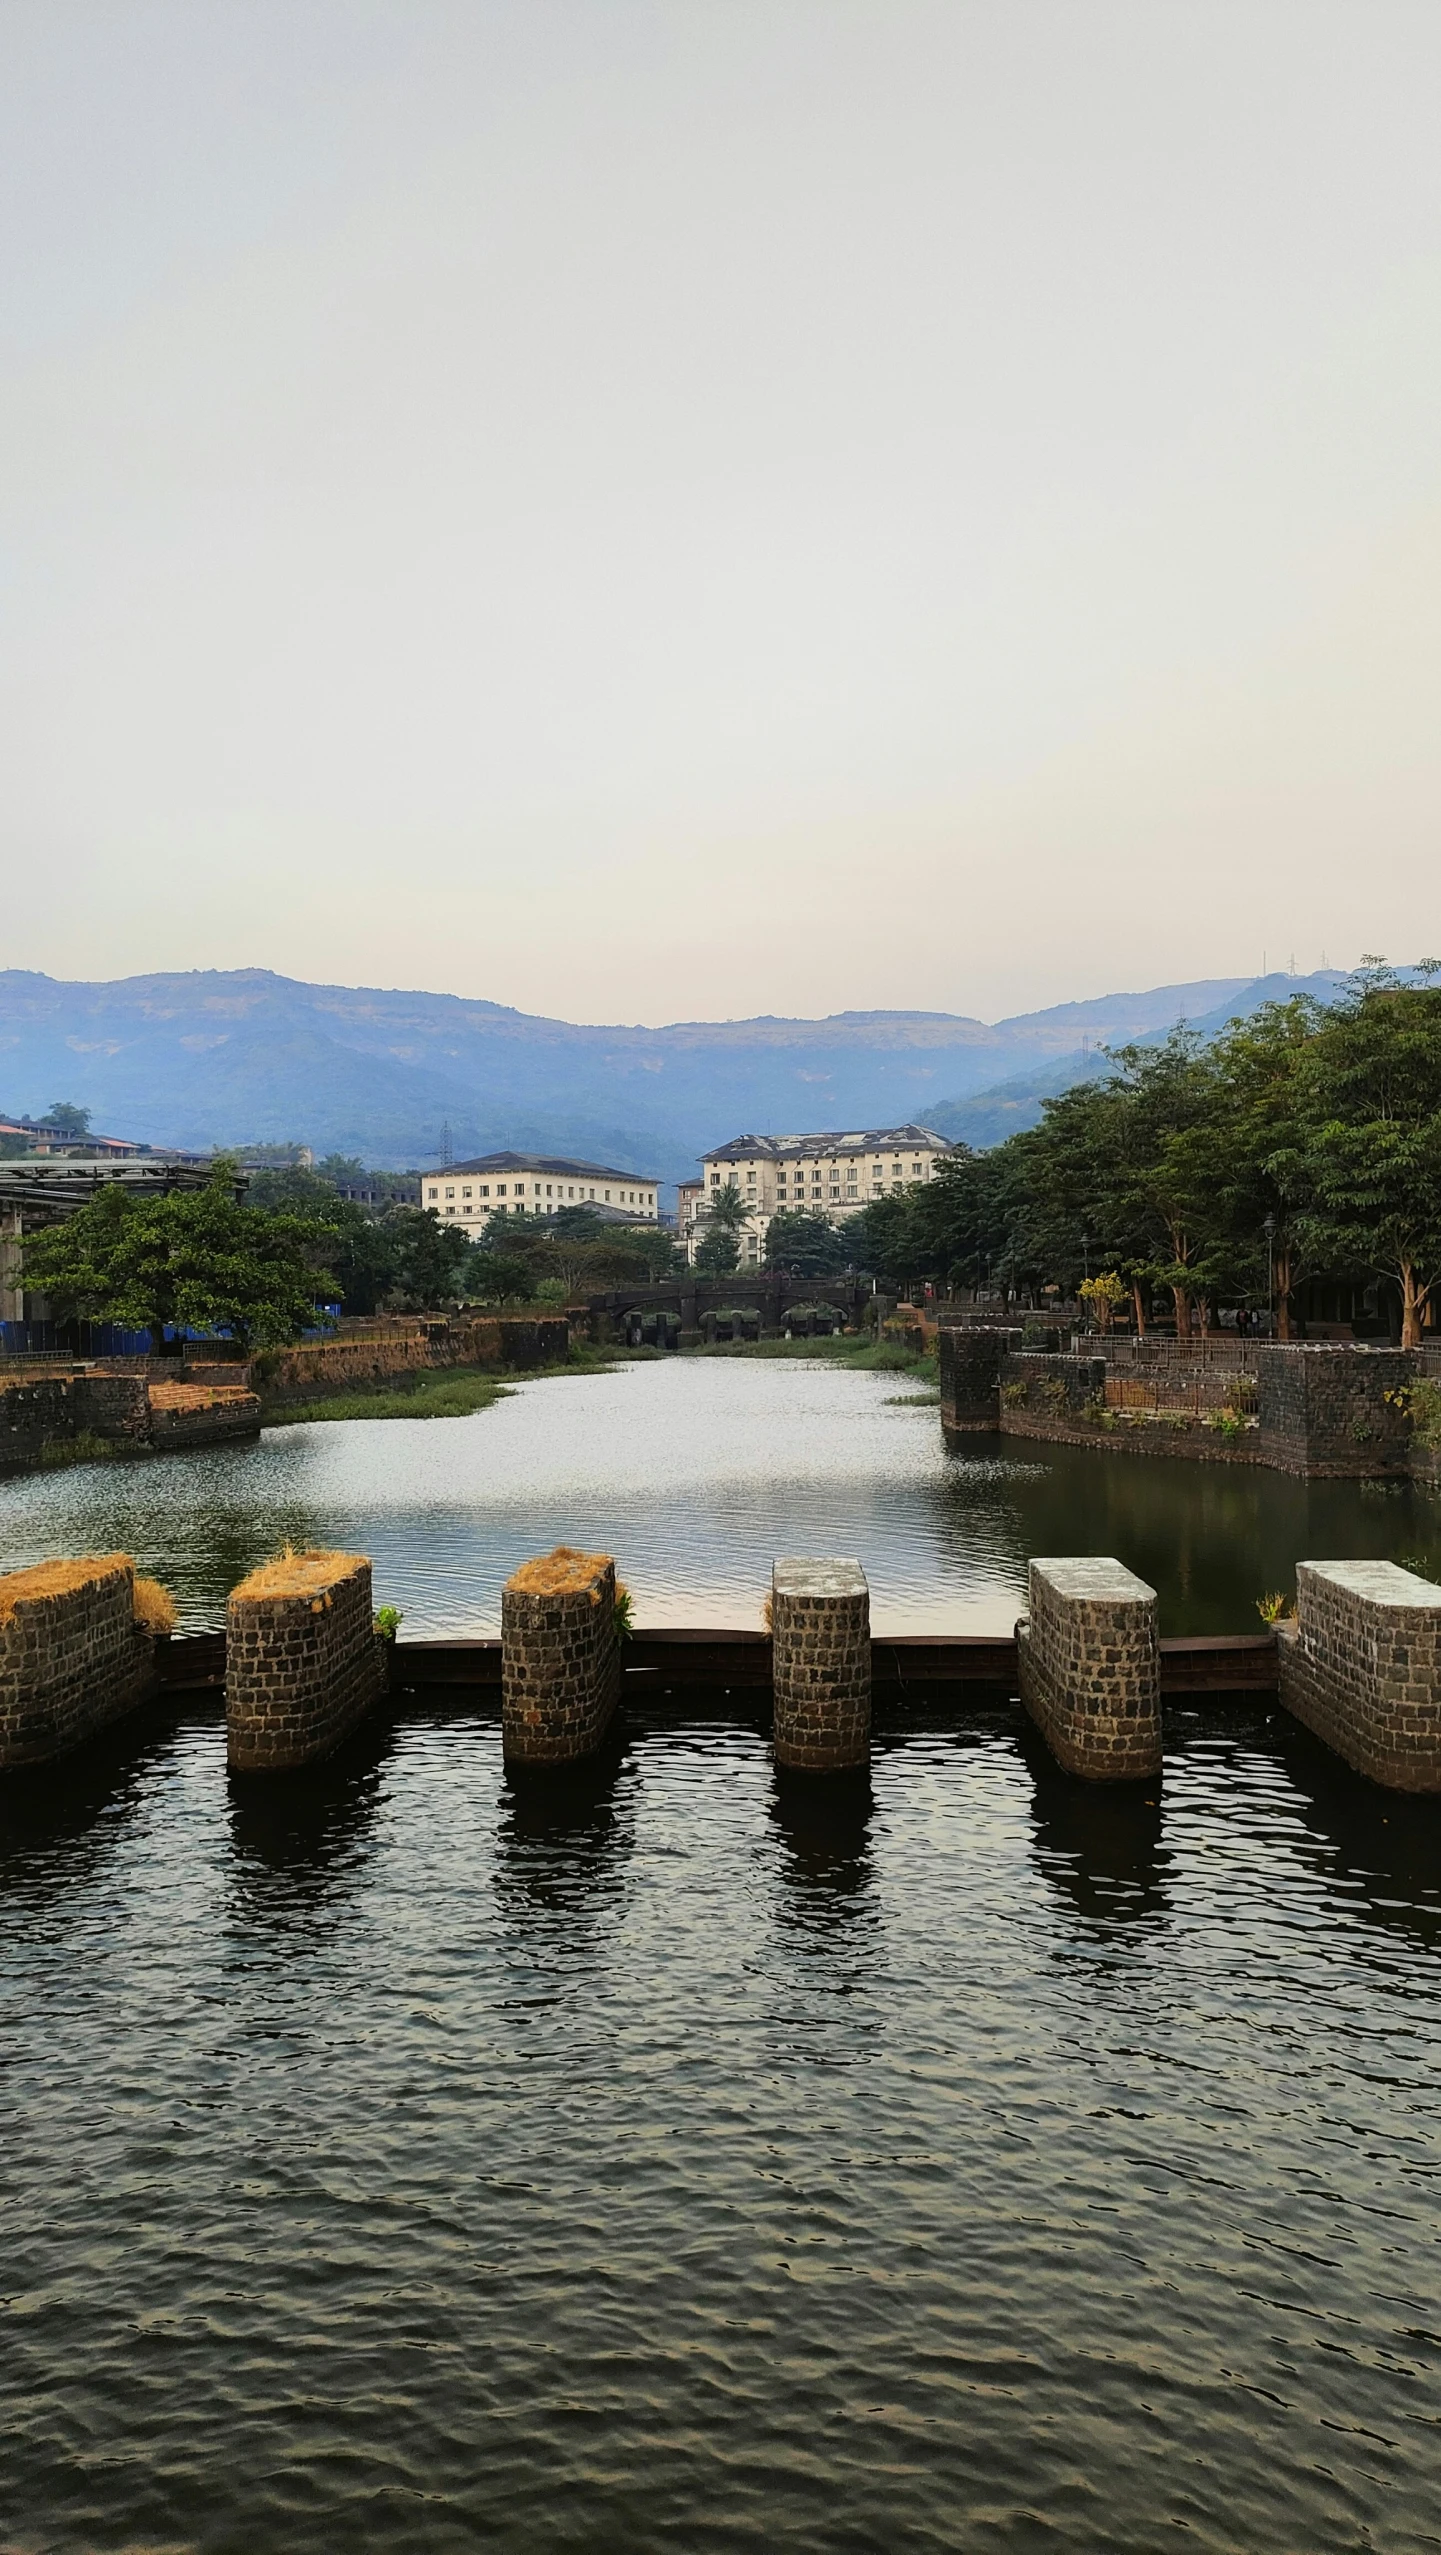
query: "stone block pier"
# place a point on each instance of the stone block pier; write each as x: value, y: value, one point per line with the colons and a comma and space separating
x: 821, y: 1664
x: 302, y: 1660
x: 300, y: 1663
x: 73, y: 1654
x: 1361, y: 1666
x: 560, y: 1657
x: 1089, y: 1668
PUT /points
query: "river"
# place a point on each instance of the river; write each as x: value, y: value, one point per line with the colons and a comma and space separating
x: 679, y: 2157
x: 696, y: 1472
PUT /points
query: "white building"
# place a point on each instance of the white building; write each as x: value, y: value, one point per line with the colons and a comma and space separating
x: 833, y: 1175
x: 533, y: 1184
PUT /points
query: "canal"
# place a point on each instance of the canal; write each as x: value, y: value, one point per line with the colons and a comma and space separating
x: 674, y: 2157
x: 696, y: 1472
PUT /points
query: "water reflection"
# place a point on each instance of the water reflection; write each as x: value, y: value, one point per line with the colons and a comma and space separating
x: 1382, y: 1848
x: 60, y: 1823
x: 301, y: 1840
x: 823, y: 1823
x: 696, y: 1472
x: 1097, y: 1845
x: 564, y: 1837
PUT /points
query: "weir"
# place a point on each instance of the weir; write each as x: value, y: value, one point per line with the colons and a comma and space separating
x: 299, y: 1664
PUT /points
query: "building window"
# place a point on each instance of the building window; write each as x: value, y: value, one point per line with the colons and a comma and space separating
x: 435, y: 1193
x: 485, y: 1192
x: 467, y: 1210
x: 450, y: 1193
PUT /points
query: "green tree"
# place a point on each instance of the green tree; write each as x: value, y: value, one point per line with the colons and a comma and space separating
x: 66, y: 1119
x: 1371, y: 1162
x: 723, y: 1220
x: 806, y: 1242
x: 194, y: 1259
x: 1261, y: 1061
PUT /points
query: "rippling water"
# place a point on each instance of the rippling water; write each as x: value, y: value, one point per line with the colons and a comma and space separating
x: 696, y: 1473
x: 395, y: 2160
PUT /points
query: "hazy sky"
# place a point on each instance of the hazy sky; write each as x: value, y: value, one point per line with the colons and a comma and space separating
x: 648, y: 509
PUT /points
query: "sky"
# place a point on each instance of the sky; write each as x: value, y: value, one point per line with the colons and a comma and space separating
x: 673, y: 509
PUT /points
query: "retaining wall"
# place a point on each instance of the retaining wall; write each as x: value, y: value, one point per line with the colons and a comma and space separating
x: 1335, y: 1412
x: 971, y: 1359
x: 72, y: 1656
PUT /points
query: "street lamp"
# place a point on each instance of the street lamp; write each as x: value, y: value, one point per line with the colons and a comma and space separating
x: 1269, y: 1229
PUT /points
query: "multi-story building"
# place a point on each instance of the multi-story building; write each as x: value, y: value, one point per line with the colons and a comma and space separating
x: 834, y: 1174
x: 534, y: 1184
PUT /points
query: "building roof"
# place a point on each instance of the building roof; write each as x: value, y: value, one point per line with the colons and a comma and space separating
x: 60, y: 1182
x: 865, y: 1140
x: 45, y: 1140
x: 542, y: 1162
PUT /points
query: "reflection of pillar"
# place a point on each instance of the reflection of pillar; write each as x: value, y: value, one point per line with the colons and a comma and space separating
x: 1362, y: 1668
x: 1090, y: 1668
x: 821, y: 1663
x: 302, y: 1661
x: 560, y: 1656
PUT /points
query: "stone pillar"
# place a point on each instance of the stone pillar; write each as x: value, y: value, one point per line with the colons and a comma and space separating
x: 1361, y: 1666
x: 821, y: 1663
x: 970, y: 1359
x: 12, y: 1287
x: 302, y: 1659
x: 560, y: 1657
x: 1090, y: 1668
x: 1330, y: 1409
x: 72, y: 1655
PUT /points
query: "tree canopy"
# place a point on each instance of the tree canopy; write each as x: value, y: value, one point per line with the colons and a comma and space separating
x: 194, y: 1259
x: 1303, y: 1141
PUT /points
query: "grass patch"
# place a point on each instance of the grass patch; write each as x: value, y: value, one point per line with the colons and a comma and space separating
x: 83, y: 1448
x: 870, y: 1357
x: 432, y: 1393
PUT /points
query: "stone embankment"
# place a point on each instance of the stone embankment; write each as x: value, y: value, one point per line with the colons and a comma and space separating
x: 384, y: 1351
x: 43, y: 1413
x: 1324, y: 1411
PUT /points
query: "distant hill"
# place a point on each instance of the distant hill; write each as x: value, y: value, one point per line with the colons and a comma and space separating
x: 985, y: 1118
x: 228, y: 1057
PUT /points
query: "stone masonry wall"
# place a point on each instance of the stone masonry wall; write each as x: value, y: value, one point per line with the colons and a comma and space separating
x: 560, y: 1665
x: 1333, y: 1410
x: 821, y: 1664
x: 302, y: 1663
x: 1090, y: 1668
x: 970, y: 1363
x: 200, y: 1415
x: 1362, y: 1668
x: 72, y: 1658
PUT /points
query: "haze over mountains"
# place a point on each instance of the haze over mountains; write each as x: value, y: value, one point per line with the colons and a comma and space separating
x: 244, y: 1056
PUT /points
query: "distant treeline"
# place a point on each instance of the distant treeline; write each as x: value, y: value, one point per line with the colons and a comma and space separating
x: 1304, y: 1143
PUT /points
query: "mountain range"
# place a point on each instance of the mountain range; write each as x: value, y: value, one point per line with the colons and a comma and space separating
x: 230, y: 1057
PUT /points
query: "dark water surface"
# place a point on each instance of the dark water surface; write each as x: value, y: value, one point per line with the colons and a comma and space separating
x: 677, y: 2158
x: 394, y: 2160
x: 696, y: 1473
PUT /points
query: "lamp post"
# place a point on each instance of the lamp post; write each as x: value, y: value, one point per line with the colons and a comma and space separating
x: 1269, y: 1228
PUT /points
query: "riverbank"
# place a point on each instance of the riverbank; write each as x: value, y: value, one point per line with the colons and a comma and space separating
x: 451, y: 1392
